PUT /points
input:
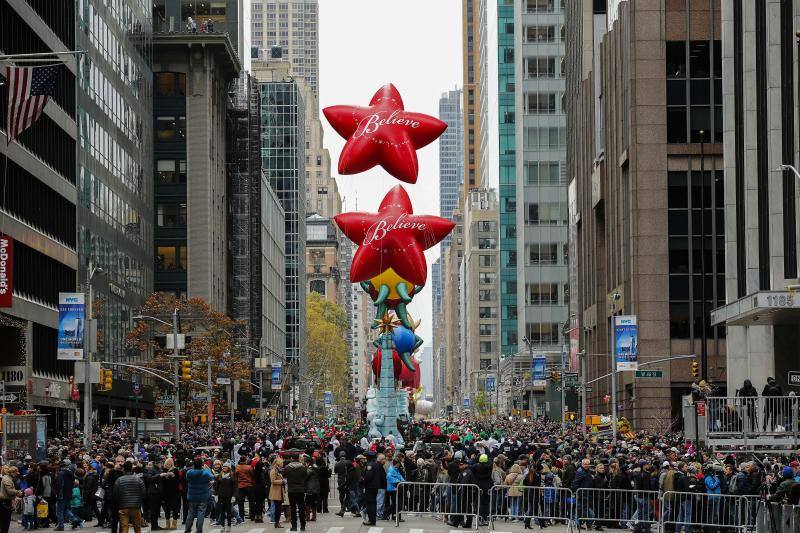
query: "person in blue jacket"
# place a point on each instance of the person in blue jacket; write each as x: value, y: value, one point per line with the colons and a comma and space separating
x: 198, y: 492
x: 393, y: 478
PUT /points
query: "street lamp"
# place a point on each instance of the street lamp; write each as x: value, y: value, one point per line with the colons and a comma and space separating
x: 789, y: 167
x: 615, y: 297
x: 175, y: 357
x: 87, y: 358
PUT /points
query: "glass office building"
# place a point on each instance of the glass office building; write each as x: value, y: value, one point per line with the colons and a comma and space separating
x: 283, y: 162
x: 115, y: 161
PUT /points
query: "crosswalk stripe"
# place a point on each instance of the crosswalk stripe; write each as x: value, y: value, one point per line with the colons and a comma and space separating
x: 217, y: 530
x: 375, y: 530
x: 416, y: 531
x: 335, y: 530
x: 257, y: 530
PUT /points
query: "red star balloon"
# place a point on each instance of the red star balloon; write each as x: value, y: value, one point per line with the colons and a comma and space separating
x: 383, y: 134
x: 392, y: 238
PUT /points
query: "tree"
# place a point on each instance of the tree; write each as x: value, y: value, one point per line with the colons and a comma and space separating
x: 481, y: 404
x: 209, y: 334
x: 327, y: 350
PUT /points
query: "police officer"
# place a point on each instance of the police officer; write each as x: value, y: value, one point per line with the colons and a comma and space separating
x: 374, y: 478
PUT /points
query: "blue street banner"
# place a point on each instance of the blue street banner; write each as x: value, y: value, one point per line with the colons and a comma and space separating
x: 328, y: 397
x: 466, y: 402
x: 71, y: 314
x: 277, y: 378
x: 490, y: 384
x: 538, y: 370
x: 626, y: 347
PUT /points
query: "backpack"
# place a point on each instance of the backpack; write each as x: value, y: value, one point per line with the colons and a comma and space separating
x: 733, y: 484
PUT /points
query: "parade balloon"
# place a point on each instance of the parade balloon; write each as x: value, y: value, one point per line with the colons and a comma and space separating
x: 395, y: 283
x: 404, y: 340
x: 392, y: 238
x: 423, y: 407
x: 409, y: 379
x: 384, y: 134
x: 396, y: 361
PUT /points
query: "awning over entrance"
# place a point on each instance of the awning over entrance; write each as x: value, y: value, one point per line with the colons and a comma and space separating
x: 760, y: 309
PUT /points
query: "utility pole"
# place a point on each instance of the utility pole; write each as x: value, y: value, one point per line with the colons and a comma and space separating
x: 177, y: 379
x: 582, y: 354
x: 703, y: 336
x: 613, y: 351
x: 89, y: 331
x: 261, y: 392
x: 208, y: 392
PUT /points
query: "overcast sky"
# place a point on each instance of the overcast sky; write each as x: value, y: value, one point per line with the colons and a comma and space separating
x: 415, y: 44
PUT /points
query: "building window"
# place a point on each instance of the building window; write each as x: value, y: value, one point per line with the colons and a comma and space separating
x: 487, y: 312
x: 540, y: 34
x: 688, y: 249
x: 540, y: 6
x: 543, y: 172
x: 542, y: 333
x: 541, y: 253
x: 546, y: 139
x: 546, y: 214
x: 169, y: 83
x: 486, y: 346
x: 540, y: 67
x: 171, y: 171
x: 487, y: 244
x: 487, y: 295
x: 540, y: 103
x: 485, y: 278
x: 171, y: 128
x: 318, y: 286
x: 694, y: 91
x: 171, y: 258
x: 171, y: 215
x: 487, y: 260
x: 542, y: 293
x: 487, y: 330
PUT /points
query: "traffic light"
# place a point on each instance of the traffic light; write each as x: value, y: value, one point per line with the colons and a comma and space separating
x: 106, y: 380
x: 186, y: 370
x: 556, y: 375
x: 695, y: 369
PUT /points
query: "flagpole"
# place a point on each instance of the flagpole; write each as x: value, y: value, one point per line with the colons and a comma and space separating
x: 43, y: 56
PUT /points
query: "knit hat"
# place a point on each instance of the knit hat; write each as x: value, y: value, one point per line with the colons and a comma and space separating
x: 484, y: 458
x: 787, y: 472
x: 29, y: 492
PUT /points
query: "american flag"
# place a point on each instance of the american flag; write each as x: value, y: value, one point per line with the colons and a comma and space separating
x: 28, y: 90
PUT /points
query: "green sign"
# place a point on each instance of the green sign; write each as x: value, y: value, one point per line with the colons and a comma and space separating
x: 650, y: 374
x: 570, y: 379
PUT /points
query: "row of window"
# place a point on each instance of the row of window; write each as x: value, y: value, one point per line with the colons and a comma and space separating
x: 171, y: 258
x: 546, y: 213
x: 547, y: 253
x: 544, y: 293
x: 545, y: 103
x: 540, y: 33
x: 543, y: 67
x: 104, y: 148
x: 170, y: 128
x: 115, y: 211
x: 545, y: 173
x: 545, y: 138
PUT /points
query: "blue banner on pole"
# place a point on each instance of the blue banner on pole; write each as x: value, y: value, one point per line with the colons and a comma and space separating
x: 490, y: 384
x: 538, y: 370
x: 626, y: 348
x: 328, y: 397
x: 466, y: 402
x: 277, y: 378
x: 71, y: 320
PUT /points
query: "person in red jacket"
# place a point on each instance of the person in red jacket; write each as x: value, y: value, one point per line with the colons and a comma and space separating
x: 244, y: 477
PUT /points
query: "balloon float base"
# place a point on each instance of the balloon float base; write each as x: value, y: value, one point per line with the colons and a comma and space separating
x: 386, y: 404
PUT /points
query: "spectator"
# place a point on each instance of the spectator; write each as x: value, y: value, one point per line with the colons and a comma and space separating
x: 296, y: 474
x: 198, y: 493
x: 128, y: 492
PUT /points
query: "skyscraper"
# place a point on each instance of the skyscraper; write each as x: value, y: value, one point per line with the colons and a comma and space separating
x: 507, y: 189
x: 291, y: 25
x: 283, y: 162
x: 541, y: 187
x: 114, y: 106
x: 451, y: 156
x: 475, y: 109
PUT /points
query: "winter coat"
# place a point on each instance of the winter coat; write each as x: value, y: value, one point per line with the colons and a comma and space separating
x: 512, y: 480
x: 128, y: 492
x: 244, y: 475
x: 198, y: 481
x: 295, y: 474
x: 226, y: 486
x: 275, y: 484
x: 393, y: 478
x: 312, y: 482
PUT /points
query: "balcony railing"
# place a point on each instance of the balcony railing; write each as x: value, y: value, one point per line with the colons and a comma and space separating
x: 753, y: 421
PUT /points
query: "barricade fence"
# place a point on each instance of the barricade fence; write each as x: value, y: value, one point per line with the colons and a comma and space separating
x: 452, y: 503
x: 637, y: 510
x: 617, y: 508
x: 746, y: 416
x: 686, y: 511
x: 773, y: 517
x: 542, y: 505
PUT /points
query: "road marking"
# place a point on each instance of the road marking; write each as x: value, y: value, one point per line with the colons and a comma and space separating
x: 257, y: 530
x: 335, y: 530
x: 416, y: 531
x: 217, y: 530
x: 375, y: 530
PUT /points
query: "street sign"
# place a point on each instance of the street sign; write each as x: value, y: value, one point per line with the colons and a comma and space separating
x: 223, y: 381
x: 167, y: 399
x: 587, y: 388
x: 570, y: 379
x: 794, y: 379
x: 700, y: 408
x: 10, y: 397
x: 559, y: 389
x: 137, y: 389
x: 658, y: 374
x: 12, y: 375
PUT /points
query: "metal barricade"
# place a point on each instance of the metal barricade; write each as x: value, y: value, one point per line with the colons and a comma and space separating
x: 750, y: 505
x: 449, y: 502
x: 542, y: 505
x: 774, y: 517
x: 752, y: 417
x: 686, y: 511
x: 617, y: 509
